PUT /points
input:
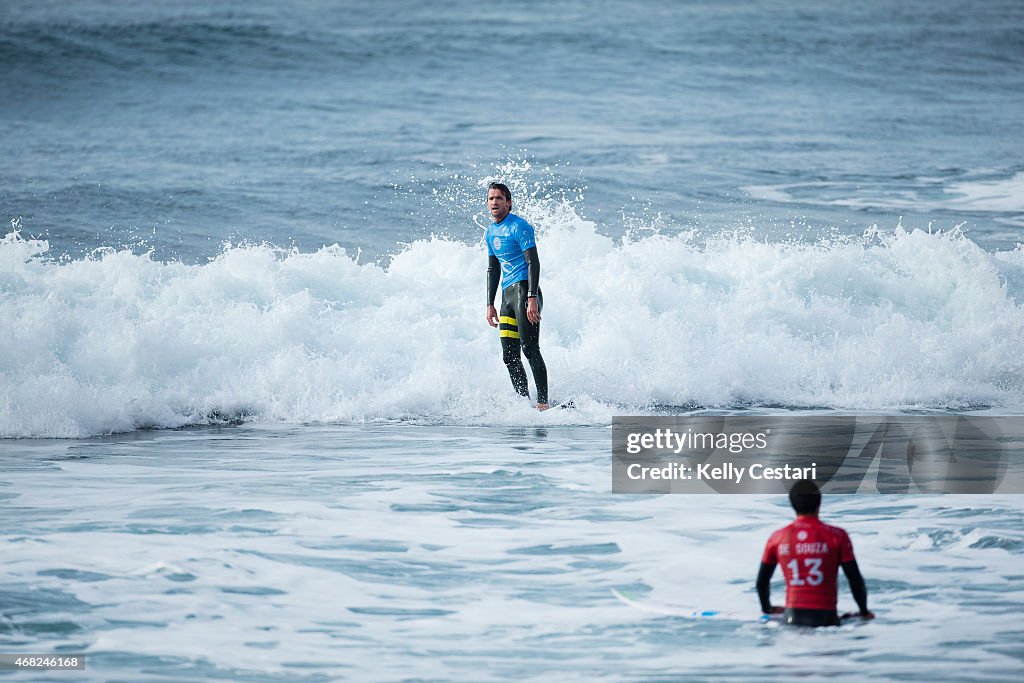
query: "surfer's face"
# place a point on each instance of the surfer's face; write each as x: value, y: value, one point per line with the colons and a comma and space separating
x: 498, y: 205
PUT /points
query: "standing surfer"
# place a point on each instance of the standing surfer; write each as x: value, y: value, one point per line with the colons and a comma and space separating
x: 512, y: 259
x: 810, y: 553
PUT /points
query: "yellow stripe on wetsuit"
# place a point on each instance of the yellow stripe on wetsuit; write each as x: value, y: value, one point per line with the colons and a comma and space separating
x: 511, y: 322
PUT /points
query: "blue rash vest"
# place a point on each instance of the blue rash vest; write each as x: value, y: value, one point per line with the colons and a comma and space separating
x: 508, y: 240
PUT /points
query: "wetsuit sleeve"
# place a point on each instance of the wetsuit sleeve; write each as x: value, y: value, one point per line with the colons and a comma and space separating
x: 857, y: 585
x: 764, y: 580
x: 532, y: 271
x: 770, y: 555
x: 493, y: 278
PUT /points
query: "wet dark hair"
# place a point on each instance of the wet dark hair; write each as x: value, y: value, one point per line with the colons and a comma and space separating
x: 805, y: 497
x: 504, y: 190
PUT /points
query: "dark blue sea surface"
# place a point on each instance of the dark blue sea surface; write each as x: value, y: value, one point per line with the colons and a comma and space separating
x: 177, y: 127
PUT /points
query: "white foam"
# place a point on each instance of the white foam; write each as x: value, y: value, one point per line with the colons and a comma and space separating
x: 999, y: 194
x: 984, y: 194
x: 121, y: 341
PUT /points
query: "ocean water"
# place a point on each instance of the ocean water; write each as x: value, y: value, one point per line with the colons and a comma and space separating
x: 320, y: 553
x: 253, y: 425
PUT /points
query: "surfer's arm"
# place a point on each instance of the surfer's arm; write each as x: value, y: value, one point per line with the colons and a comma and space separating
x: 532, y: 271
x: 764, y: 580
x: 493, y: 279
x: 857, y: 587
x: 532, y: 284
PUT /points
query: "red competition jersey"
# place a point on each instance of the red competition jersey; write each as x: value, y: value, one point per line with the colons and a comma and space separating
x: 810, y: 553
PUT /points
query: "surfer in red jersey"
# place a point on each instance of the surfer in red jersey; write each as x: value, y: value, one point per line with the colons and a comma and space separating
x: 810, y: 553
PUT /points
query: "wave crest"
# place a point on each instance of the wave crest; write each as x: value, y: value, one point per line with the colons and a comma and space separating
x: 120, y: 341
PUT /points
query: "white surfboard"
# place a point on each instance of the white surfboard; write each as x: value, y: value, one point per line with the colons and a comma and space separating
x: 671, y: 610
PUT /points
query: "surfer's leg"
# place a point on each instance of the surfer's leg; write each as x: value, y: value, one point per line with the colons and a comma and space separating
x: 510, y: 345
x: 529, y: 336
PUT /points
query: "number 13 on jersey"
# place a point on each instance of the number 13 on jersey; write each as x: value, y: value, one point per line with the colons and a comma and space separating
x: 812, y: 576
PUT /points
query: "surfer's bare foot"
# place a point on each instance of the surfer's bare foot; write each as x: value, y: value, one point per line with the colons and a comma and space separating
x: 542, y: 406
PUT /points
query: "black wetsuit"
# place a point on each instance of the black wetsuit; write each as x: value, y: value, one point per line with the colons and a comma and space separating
x: 518, y: 334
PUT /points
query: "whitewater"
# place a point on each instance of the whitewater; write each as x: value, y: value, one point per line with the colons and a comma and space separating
x: 120, y: 341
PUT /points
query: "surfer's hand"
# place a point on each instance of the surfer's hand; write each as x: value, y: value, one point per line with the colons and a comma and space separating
x: 532, y: 310
x: 775, y: 609
x: 492, y: 316
x: 866, y: 614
